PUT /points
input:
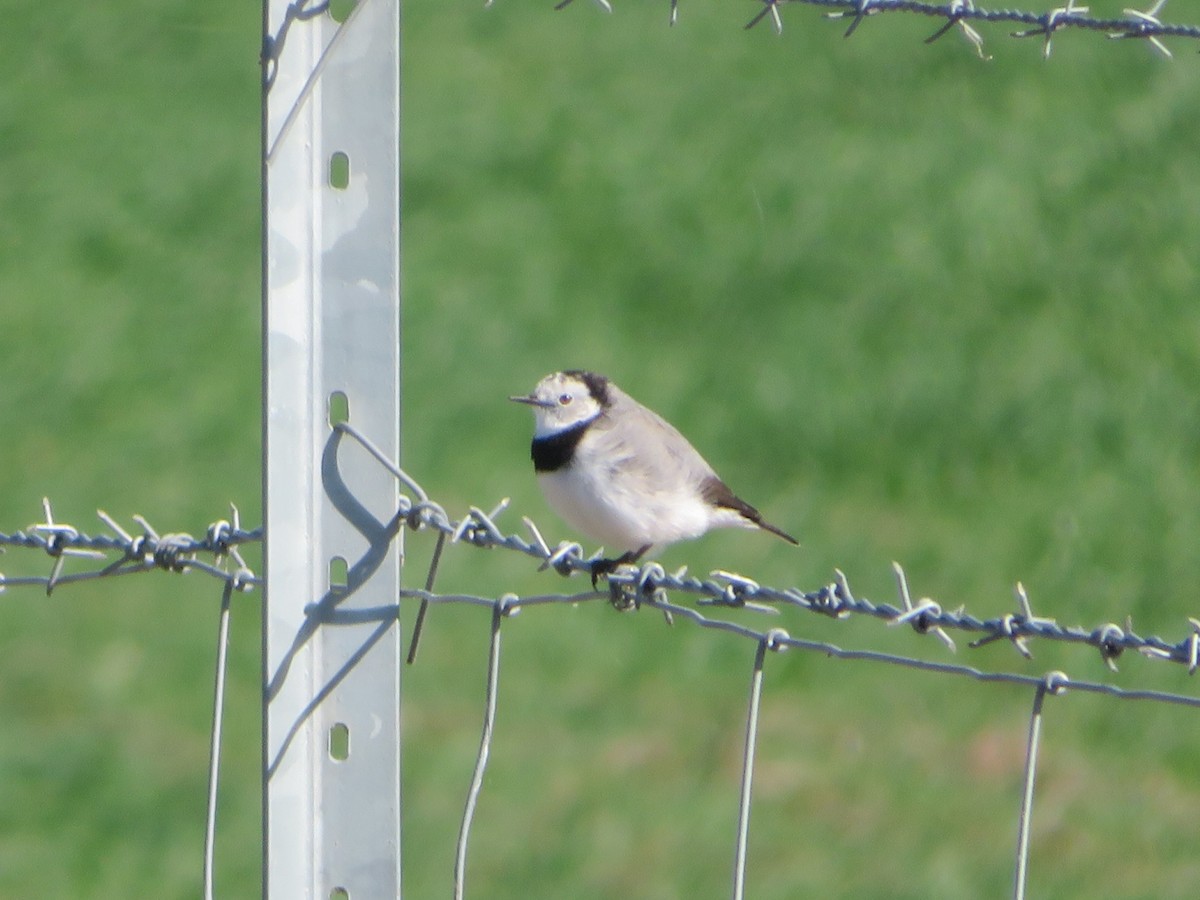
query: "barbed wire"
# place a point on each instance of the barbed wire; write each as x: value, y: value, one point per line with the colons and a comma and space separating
x: 1132, y: 23
x: 649, y: 584
x: 630, y: 587
x: 124, y: 553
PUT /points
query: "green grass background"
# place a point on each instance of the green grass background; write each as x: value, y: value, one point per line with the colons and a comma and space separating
x: 913, y: 305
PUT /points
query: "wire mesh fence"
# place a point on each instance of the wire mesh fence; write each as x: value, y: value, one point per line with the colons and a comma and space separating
x: 709, y: 602
x: 705, y: 602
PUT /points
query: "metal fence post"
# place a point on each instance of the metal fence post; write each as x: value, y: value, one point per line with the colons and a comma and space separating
x: 331, y: 334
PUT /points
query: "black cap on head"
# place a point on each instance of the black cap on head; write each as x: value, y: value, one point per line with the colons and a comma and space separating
x: 597, y: 385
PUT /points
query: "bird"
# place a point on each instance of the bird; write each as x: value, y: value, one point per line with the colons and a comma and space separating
x: 621, y: 474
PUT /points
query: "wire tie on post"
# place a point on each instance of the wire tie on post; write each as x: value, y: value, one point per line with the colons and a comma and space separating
x: 383, y: 459
x: 242, y: 573
x: 423, y: 513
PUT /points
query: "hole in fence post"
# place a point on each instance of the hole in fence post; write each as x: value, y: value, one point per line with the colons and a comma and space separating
x: 339, y: 742
x: 339, y: 575
x: 339, y: 893
x: 339, y: 408
x: 339, y: 10
x: 339, y: 171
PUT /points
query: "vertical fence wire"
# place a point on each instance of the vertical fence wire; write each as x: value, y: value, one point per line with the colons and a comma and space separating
x: 214, y: 751
x: 499, y: 608
x: 1052, y: 684
x: 743, y: 826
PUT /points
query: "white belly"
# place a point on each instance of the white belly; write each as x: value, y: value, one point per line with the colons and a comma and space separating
x: 605, y: 509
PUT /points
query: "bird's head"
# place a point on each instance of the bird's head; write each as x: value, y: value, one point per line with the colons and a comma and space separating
x: 565, y: 399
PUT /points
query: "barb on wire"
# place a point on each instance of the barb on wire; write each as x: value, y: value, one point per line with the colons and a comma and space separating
x: 634, y: 586
x: 1150, y: 17
x: 1133, y: 23
x: 956, y: 18
x: 121, y: 552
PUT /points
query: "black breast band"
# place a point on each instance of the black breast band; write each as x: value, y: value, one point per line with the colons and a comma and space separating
x: 554, y: 451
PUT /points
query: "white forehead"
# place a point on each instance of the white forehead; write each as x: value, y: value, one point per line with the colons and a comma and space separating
x: 559, y: 383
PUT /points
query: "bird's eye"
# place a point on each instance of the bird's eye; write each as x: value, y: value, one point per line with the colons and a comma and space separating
x: 564, y: 399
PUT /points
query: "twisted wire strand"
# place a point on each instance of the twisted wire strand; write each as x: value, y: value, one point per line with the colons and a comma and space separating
x: 1132, y: 23
x: 218, y: 555
x: 121, y: 552
x: 637, y: 584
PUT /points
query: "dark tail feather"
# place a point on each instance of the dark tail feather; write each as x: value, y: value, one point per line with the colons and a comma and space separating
x: 717, y: 493
x: 767, y: 526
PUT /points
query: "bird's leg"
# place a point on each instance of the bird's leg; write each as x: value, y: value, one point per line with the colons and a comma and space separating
x: 606, y: 567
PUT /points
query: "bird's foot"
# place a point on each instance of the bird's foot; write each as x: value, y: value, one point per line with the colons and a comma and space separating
x: 605, y: 567
x: 602, y: 568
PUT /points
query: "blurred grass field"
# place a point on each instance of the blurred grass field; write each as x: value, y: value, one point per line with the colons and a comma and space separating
x: 913, y: 305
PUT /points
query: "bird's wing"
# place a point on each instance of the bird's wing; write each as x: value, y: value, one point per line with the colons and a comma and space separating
x: 717, y: 493
x: 651, y: 449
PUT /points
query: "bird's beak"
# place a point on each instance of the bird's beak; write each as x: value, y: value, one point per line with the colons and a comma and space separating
x: 531, y: 400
